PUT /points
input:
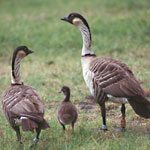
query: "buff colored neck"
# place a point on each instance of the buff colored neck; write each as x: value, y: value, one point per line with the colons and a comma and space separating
x: 87, y: 43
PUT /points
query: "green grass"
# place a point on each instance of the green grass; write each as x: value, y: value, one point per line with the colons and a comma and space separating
x: 120, y: 29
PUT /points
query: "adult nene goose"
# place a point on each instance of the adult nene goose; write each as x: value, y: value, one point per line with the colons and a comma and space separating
x: 108, y: 78
x: 21, y: 104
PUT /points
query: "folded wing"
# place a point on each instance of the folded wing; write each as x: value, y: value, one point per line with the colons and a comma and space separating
x: 115, y: 78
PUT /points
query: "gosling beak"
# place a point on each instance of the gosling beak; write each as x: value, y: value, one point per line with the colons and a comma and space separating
x: 60, y: 92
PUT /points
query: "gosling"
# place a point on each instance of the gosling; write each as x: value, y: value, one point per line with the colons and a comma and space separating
x: 67, y: 112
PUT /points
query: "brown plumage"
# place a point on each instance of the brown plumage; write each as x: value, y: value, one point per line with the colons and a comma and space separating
x: 67, y: 112
x: 21, y: 104
x: 108, y: 79
x: 115, y: 78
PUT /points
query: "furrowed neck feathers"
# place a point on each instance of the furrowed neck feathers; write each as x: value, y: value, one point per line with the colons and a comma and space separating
x: 87, y: 41
x: 15, y: 73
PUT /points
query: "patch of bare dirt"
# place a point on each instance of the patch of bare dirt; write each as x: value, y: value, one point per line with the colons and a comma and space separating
x: 85, y: 105
x: 115, y: 115
x: 90, y: 98
x: 137, y: 119
x: 52, y: 104
x: 112, y: 107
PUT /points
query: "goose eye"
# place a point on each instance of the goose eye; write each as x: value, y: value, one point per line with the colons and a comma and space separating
x: 71, y: 15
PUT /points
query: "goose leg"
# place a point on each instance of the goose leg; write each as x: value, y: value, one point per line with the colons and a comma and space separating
x: 36, y: 139
x: 103, y: 113
x: 63, y: 126
x: 16, y: 128
x: 72, y: 127
x: 123, y: 121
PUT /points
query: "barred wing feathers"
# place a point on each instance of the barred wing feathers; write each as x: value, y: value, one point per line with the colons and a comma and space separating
x: 115, y: 78
x: 18, y: 101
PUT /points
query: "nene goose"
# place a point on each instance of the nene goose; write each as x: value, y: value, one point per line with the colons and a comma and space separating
x: 21, y: 104
x: 108, y: 78
x: 66, y: 112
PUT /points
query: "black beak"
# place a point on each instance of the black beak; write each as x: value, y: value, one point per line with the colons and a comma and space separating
x: 29, y: 52
x: 65, y: 18
x: 60, y: 92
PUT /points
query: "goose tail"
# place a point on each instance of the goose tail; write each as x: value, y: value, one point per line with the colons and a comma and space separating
x: 141, y: 106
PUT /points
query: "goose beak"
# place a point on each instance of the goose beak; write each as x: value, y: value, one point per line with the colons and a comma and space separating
x: 60, y: 92
x: 65, y: 18
x: 29, y: 52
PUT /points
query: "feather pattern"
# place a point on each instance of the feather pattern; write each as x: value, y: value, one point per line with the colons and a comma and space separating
x: 19, y: 101
x: 113, y: 78
x: 67, y: 113
x: 16, y: 77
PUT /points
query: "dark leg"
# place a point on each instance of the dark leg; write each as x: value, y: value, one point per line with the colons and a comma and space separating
x: 16, y: 128
x: 123, y: 121
x: 103, y: 113
x: 72, y: 127
x: 38, y: 131
x: 62, y: 126
x: 36, y: 139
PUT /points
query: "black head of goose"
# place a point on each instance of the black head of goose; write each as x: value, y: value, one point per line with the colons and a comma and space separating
x: 66, y: 112
x: 21, y: 104
x: 108, y: 79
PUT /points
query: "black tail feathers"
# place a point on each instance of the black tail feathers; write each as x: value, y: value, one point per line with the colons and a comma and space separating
x: 44, y: 124
x: 30, y: 125
x: 141, y: 106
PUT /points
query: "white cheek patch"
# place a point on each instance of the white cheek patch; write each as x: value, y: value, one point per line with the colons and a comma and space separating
x: 21, y: 54
x: 77, y: 21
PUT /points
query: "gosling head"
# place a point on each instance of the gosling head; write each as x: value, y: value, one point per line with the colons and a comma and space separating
x: 66, y: 91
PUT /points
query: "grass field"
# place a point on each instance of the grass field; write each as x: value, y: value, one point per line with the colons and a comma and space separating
x: 120, y: 29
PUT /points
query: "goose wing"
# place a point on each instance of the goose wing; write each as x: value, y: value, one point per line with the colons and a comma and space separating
x: 115, y: 78
x: 18, y: 101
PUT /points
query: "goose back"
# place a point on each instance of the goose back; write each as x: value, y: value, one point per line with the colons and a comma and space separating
x: 115, y: 78
x: 22, y: 101
x: 67, y: 113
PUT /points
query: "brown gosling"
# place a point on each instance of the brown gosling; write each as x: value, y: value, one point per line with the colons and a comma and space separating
x: 67, y: 112
x: 21, y: 104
